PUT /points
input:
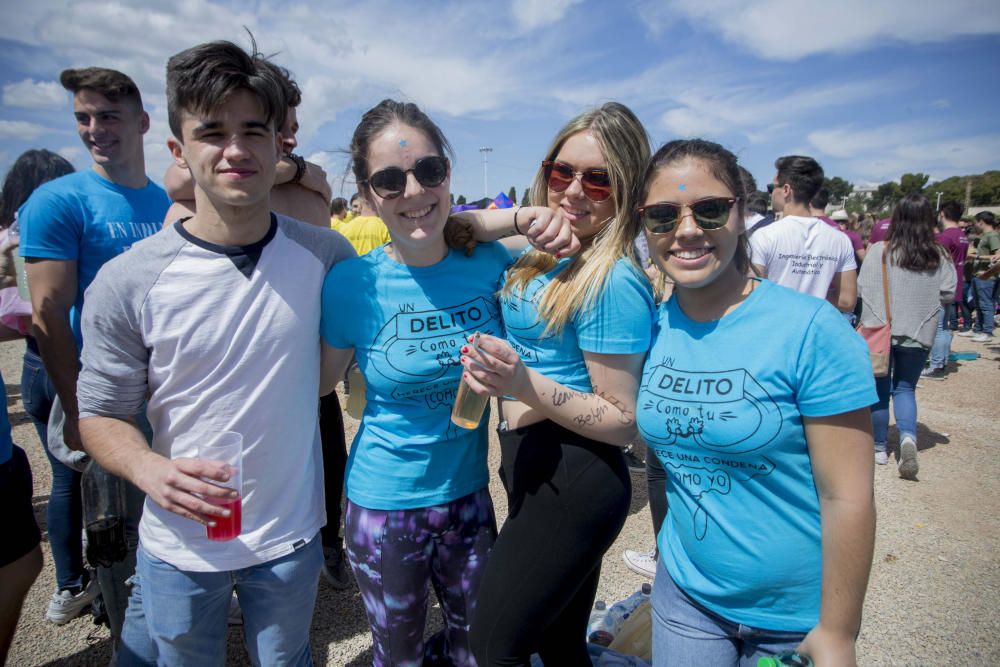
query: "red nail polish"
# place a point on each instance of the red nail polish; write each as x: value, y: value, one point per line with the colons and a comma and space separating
x: 465, y: 349
x: 462, y: 359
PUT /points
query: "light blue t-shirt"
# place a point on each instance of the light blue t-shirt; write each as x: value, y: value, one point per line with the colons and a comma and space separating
x: 619, y: 321
x: 721, y: 403
x: 86, y: 218
x: 407, y: 325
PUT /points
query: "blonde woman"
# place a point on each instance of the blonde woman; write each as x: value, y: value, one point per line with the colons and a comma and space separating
x: 567, y: 374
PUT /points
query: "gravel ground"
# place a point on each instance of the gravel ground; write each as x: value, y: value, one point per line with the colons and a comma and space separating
x: 935, y: 586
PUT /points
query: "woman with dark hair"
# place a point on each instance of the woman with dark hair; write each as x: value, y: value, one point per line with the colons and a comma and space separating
x: 764, y: 431
x: 75, y: 585
x: 418, y: 507
x: 921, y: 278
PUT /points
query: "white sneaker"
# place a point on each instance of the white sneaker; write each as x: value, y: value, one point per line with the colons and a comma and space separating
x: 908, y: 466
x: 968, y: 333
x: 881, y: 458
x: 641, y: 562
x: 65, y: 606
x: 982, y: 338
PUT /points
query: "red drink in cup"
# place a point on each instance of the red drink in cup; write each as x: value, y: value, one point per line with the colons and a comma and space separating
x: 226, y: 528
x: 227, y: 447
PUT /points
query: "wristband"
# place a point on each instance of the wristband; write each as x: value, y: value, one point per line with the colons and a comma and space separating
x: 516, y: 228
x: 300, y: 167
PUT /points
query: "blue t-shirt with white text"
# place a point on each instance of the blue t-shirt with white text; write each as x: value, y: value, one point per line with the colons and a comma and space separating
x: 618, y: 321
x: 85, y: 218
x: 722, y: 404
x: 407, y: 325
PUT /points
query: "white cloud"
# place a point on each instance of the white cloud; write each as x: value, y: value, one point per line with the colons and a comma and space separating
x: 713, y: 110
x: 533, y: 14
x: 31, y: 94
x: 884, y: 153
x: 795, y: 29
x: 21, y: 129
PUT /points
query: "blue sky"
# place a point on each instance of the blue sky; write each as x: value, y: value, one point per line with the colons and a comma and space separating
x: 870, y: 89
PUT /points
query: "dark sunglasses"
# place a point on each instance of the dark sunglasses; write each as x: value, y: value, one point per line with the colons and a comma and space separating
x: 596, y: 183
x: 770, y: 188
x: 390, y: 182
x: 663, y: 217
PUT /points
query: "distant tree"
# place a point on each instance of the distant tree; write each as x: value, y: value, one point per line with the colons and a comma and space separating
x: 452, y: 195
x: 838, y: 187
x: 460, y: 201
x: 913, y: 183
x: 885, y: 197
x: 512, y: 194
x: 985, y: 189
x: 526, y: 197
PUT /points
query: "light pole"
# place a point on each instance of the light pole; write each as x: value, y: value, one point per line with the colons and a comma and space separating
x: 486, y: 183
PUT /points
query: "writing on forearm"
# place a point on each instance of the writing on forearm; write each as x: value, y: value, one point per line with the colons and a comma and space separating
x: 594, y: 416
x: 626, y: 417
x: 563, y: 396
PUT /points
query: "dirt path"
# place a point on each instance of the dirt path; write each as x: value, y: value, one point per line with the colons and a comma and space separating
x: 935, y: 588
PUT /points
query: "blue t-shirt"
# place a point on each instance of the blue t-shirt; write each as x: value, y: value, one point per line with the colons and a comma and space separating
x: 6, y: 440
x: 721, y: 403
x: 86, y: 218
x: 619, y: 321
x: 407, y: 325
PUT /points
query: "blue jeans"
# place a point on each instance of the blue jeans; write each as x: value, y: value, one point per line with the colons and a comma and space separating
x: 986, y: 303
x: 185, y: 612
x: 942, y: 339
x: 64, y: 514
x: 905, y: 364
x: 687, y: 634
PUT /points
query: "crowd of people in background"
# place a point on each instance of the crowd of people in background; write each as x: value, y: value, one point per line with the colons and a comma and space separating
x: 645, y: 301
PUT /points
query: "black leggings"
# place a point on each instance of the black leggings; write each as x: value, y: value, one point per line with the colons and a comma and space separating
x: 331, y: 433
x: 656, y: 484
x: 568, y: 499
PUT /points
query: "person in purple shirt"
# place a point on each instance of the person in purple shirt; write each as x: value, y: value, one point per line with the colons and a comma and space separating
x: 956, y: 243
x: 817, y: 207
x: 879, y: 232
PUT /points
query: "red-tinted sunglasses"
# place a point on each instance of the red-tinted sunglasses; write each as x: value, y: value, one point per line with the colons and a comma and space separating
x: 596, y: 183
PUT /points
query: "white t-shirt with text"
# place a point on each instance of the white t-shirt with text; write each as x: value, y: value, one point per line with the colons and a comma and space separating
x: 802, y: 253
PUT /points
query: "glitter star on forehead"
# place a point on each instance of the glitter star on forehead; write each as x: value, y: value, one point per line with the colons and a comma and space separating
x: 682, y: 187
x: 402, y: 142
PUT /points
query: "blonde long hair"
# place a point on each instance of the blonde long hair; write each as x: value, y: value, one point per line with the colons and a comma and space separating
x: 625, y: 146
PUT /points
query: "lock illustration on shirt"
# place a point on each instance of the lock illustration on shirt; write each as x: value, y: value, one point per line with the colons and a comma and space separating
x: 722, y: 411
x: 422, y: 346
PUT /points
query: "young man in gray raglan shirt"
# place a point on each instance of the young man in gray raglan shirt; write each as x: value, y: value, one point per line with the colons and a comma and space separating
x: 216, y: 320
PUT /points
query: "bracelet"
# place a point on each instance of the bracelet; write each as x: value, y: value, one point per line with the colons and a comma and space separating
x: 300, y: 167
x: 516, y: 228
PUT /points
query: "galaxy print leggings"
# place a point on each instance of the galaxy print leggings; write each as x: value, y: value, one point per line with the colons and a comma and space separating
x: 395, y: 553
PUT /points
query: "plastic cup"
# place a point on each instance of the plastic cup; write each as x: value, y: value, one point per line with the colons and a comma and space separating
x: 227, y: 447
x: 469, y: 406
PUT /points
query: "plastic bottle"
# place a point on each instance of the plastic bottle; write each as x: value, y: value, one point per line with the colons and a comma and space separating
x: 103, y: 516
x: 595, y: 633
x: 620, y: 611
x: 787, y: 659
x: 636, y: 636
